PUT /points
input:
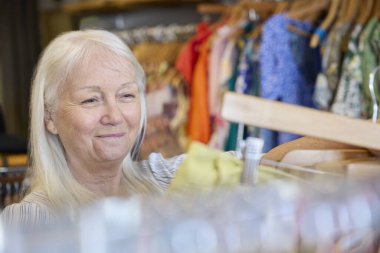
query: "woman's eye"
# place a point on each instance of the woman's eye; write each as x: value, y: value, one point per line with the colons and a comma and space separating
x: 128, y: 96
x: 89, y: 101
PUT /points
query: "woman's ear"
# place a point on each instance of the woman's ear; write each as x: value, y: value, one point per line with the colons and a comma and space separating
x: 49, y: 122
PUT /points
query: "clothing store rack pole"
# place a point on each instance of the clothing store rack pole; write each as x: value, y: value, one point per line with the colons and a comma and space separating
x: 300, y: 120
x: 212, y: 8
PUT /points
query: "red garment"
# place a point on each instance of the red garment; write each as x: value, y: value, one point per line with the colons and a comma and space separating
x: 188, y: 56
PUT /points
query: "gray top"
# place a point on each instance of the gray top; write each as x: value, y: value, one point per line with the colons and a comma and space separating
x: 35, y: 207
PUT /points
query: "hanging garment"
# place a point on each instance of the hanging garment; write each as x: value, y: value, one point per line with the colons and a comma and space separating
x: 348, y: 101
x: 216, y: 88
x: 246, y: 83
x: 218, y: 46
x: 370, y: 35
x: 230, y: 143
x: 205, y: 169
x: 247, y: 76
x: 188, y: 56
x: 288, y: 68
x: 199, y: 128
x: 208, y: 169
x: 227, y: 77
x: 328, y: 79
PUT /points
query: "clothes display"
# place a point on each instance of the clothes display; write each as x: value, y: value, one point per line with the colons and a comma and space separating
x: 271, y: 57
x: 288, y: 68
x: 227, y: 105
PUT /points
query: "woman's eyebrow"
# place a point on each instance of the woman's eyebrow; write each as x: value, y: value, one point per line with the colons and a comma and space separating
x: 97, y: 88
x: 92, y: 87
x: 130, y: 83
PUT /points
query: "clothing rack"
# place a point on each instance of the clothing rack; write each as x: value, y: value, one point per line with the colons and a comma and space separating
x: 162, y: 34
x: 260, y: 7
x: 116, y: 5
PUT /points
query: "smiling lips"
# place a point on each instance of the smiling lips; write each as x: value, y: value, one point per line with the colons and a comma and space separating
x: 115, y: 135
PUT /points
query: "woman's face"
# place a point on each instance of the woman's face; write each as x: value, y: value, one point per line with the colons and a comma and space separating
x: 97, y: 115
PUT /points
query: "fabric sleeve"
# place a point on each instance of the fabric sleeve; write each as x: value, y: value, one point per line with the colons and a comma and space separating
x: 26, y: 213
x: 163, y: 170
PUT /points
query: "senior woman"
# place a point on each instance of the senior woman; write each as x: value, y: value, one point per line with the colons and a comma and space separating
x: 88, y: 118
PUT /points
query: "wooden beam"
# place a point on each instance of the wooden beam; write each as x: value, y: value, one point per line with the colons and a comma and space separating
x: 116, y: 5
x: 300, y: 120
x: 210, y: 8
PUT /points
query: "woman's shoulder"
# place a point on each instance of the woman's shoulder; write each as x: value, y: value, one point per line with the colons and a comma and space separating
x: 33, y: 209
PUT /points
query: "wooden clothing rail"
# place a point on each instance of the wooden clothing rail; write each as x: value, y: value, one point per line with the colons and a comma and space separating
x: 117, y: 5
x: 300, y: 120
x: 213, y: 8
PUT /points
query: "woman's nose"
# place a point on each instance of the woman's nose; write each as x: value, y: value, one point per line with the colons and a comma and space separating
x: 112, y: 114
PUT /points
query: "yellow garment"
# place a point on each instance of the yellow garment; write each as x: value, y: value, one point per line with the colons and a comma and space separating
x: 205, y: 168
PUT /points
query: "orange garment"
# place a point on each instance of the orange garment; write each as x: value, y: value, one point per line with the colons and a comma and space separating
x: 188, y: 56
x: 199, y: 117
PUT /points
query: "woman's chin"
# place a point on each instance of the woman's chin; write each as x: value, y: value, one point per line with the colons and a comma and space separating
x: 112, y: 156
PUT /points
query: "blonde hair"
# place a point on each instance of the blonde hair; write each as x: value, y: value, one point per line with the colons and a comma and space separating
x: 49, y: 170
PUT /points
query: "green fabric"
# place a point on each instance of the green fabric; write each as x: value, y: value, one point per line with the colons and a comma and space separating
x: 233, y: 129
x: 368, y: 60
x: 348, y: 98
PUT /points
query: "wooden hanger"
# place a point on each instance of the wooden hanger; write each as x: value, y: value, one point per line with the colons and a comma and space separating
x: 349, y: 12
x: 309, y: 10
x: 365, y: 12
x: 311, y: 158
x: 264, y: 9
x: 377, y: 10
x: 326, y: 23
x: 212, y: 8
x: 256, y: 32
x: 309, y: 13
x: 304, y: 143
x: 238, y: 12
x: 282, y: 7
x: 298, y: 5
x: 300, y: 120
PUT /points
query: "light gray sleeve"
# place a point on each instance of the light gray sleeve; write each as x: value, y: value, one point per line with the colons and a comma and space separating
x: 163, y: 170
x: 26, y: 213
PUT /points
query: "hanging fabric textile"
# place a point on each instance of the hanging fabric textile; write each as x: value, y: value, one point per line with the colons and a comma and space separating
x: 195, y: 74
x: 288, y: 68
x: 348, y: 100
x: 328, y: 79
x: 369, y: 59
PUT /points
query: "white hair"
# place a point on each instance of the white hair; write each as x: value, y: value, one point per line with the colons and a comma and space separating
x: 49, y: 169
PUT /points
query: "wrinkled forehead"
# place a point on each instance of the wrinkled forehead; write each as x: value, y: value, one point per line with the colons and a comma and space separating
x: 101, y: 60
x: 99, y: 57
